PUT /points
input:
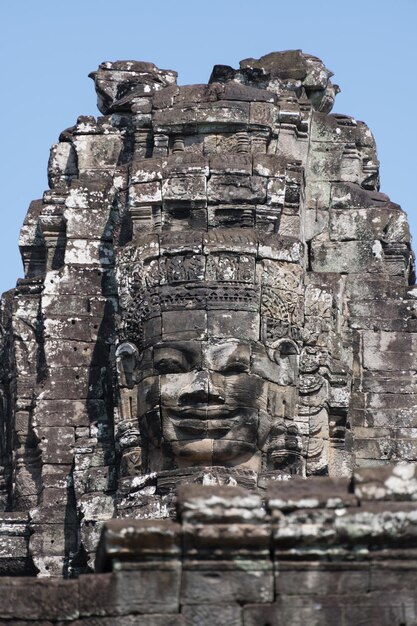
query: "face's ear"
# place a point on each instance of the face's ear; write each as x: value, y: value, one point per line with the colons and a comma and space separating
x: 126, y: 359
x: 286, y: 355
x: 286, y: 347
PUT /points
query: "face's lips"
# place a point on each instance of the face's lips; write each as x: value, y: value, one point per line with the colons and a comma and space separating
x: 203, y: 427
x: 203, y: 412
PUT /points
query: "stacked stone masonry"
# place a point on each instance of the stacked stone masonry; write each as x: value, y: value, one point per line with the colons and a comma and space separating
x: 216, y: 293
x: 323, y: 551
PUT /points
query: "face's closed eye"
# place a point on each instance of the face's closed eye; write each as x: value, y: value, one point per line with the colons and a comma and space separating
x: 230, y: 357
x: 170, y: 361
x: 177, y: 358
x: 234, y: 366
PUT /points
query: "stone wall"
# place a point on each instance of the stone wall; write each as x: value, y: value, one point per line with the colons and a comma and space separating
x: 241, y: 221
x: 316, y: 552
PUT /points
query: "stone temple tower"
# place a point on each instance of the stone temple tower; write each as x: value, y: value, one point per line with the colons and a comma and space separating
x: 215, y: 293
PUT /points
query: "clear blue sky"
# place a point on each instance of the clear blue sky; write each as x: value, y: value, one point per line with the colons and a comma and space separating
x: 49, y: 46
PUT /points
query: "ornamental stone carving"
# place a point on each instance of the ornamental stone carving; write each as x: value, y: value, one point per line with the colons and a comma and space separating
x: 215, y: 292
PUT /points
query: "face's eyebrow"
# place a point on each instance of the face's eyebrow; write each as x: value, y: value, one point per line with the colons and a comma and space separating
x: 181, y: 346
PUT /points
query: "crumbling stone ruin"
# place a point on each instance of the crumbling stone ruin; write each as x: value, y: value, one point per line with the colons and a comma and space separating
x: 214, y: 344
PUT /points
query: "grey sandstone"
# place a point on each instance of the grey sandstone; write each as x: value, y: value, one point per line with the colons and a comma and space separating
x: 210, y: 363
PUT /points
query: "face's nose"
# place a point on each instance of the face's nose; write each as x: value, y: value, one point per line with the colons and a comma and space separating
x: 202, y: 389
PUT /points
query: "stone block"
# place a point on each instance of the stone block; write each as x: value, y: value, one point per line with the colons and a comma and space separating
x: 243, y: 324
x: 90, y: 531
x: 53, y: 540
x: 215, y: 115
x: 392, y: 574
x: 368, y: 224
x: 185, y: 163
x: 231, y: 188
x: 347, y: 195
x: 89, y: 252
x: 243, y: 582
x: 128, y: 620
x: 189, y: 190
x: 126, y: 542
x: 325, y: 160
x: 374, y: 448
x: 177, y: 218
x: 13, y: 551
x: 385, y: 315
x: 331, y: 493
x: 246, y: 93
x: 346, y: 256
x: 152, y: 329
x: 56, y: 476
x: 53, y: 497
x: 276, y: 191
x: 290, y: 226
x: 191, y: 326
x: 231, y: 164
x: 322, y: 578
x: 263, y: 114
x: 56, y: 443
x: 75, y: 328
x: 355, y: 610
x: 32, y: 623
x: 62, y: 165
x: 215, y: 503
x: 77, y: 305
x: 405, y: 448
x: 333, y: 128
x: 290, y: 145
x: 96, y: 506
x: 146, y: 170
x: 256, y: 614
x: 97, y: 151
x: 86, y: 223
x: 94, y: 479
x: 273, y: 246
x: 295, y: 611
x: 70, y: 353
x: 95, y: 455
x: 35, y: 599
x: 227, y: 540
x: 212, y: 615
x: 394, y: 351
x: 270, y: 165
x: 238, y: 240
x: 67, y: 412
x: 151, y: 590
x: 145, y: 193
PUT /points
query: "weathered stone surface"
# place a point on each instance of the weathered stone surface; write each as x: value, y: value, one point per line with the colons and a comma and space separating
x: 357, y: 563
x: 216, y: 296
x: 147, y: 539
x: 150, y: 590
x: 209, y: 614
x: 131, y: 620
x: 242, y: 584
x: 386, y: 483
x: 53, y: 600
x: 299, y: 494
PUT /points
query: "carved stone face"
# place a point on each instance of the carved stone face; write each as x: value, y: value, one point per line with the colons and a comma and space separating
x: 211, y: 294
x: 214, y: 402
x: 216, y: 290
